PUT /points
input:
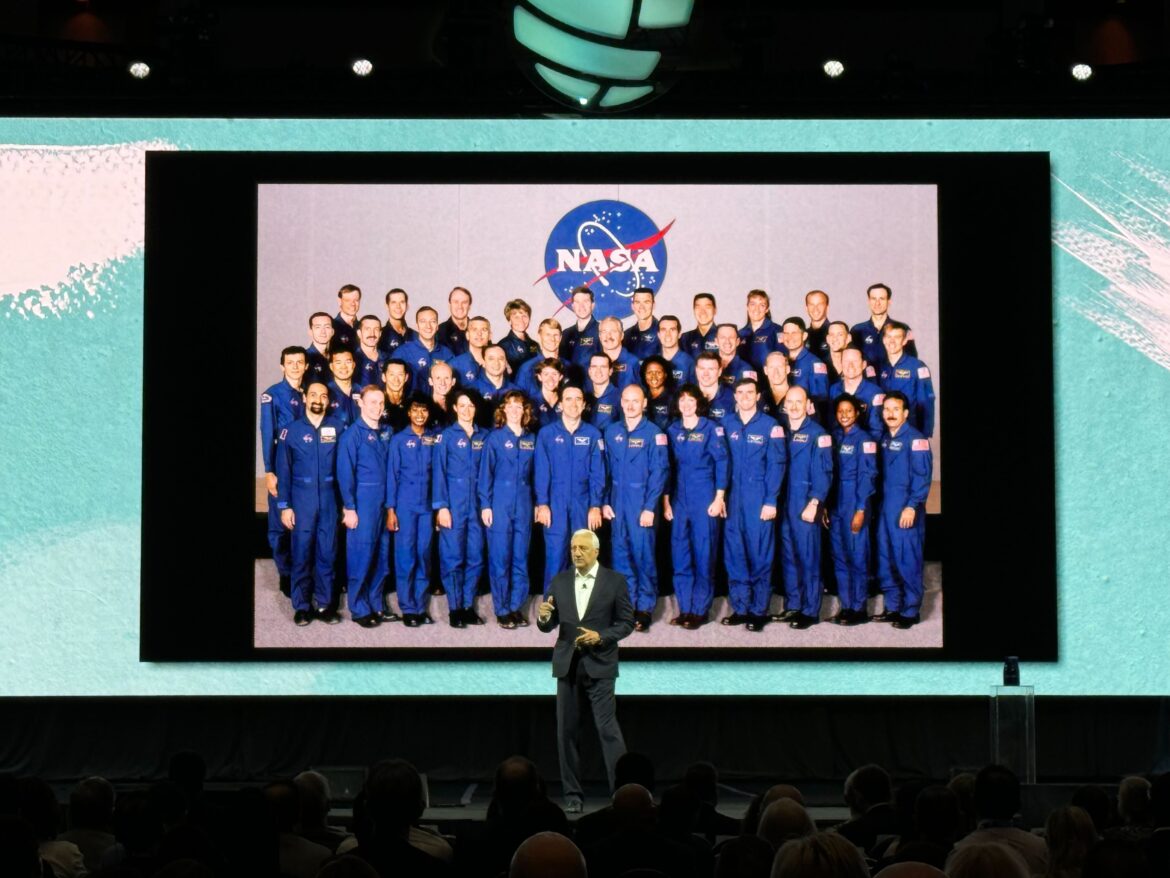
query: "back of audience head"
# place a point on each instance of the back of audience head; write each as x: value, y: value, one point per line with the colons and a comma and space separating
x: 997, y: 793
x: 936, y: 815
x: 168, y: 800
x: 313, y: 792
x: 784, y: 820
x: 744, y: 857
x: 633, y: 806
x: 634, y: 768
x: 547, y: 854
x: 18, y: 848
x: 823, y: 855
x: 91, y: 804
x: 678, y: 809
x: 1133, y: 801
x: 1097, y: 804
x: 905, y: 800
x: 755, y: 808
x: 1070, y: 834
x: 37, y: 803
x: 963, y: 786
x: 517, y: 785
x: 865, y: 787
x: 986, y: 860
x: 703, y: 778
x: 394, y: 796
x: 284, y: 804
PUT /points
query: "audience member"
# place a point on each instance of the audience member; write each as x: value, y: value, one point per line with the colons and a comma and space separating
x: 934, y: 827
x: 298, y: 857
x: 784, y: 820
x: 391, y: 803
x: 38, y: 805
x: 18, y: 848
x: 745, y: 857
x: 1158, y: 845
x: 703, y: 779
x: 1133, y: 809
x: 997, y: 800
x: 987, y: 859
x: 758, y: 804
x: 678, y: 818
x: 630, y: 768
x: 91, y: 820
x: 963, y: 786
x: 871, y: 813
x: 823, y: 855
x: 1070, y: 834
x: 546, y: 854
x: 637, y: 842
x: 1098, y: 804
x: 313, y: 790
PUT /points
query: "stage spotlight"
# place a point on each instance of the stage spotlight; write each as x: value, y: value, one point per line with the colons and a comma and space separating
x: 139, y: 70
x: 833, y: 68
x: 363, y: 67
x: 1081, y: 72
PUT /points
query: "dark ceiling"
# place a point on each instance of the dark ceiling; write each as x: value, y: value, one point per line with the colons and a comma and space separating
x: 450, y: 58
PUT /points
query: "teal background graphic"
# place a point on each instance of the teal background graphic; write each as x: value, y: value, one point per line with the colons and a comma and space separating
x: 71, y: 428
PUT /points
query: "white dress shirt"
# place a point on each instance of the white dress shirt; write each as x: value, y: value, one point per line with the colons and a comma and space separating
x: 583, y: 588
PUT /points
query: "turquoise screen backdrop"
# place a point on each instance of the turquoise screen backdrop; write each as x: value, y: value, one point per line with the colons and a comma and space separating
x: 71, y: 294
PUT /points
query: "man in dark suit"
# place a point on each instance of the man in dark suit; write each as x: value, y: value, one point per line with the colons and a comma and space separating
x: 590, y: 609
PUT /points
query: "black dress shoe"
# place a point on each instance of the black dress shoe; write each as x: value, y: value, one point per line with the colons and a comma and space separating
x: 370, y: 621
x: 411, y: 620
x: 693, y: 621
x: 520, y: 620
x: 642, y: 622
x: 286, y: 585
x: 678, y: 620
x: 473, y: 618
x: 733, y: 619
x: 904, y: 622
x: 302, y: 618
x: 801, y: 622
x: 506, y: 622
x: 786, y: 616
x: 328, y: 616
x: 756, y: 623
x: 885, y: 617
x: 426, y: 619
x: 457, y: 619
x: 388, y: 615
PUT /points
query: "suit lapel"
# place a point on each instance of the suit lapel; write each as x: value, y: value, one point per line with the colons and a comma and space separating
x: 571, y: 606
x: 593, y: 593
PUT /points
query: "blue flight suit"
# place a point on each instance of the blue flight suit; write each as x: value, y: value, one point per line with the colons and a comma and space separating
x: 316, y: 368
x: 854, y: 485
x: 418, y: 360
x: 490, y: 393
x: 869, y: 338
x: 466, y: 368
x: 871, y: 398
x: 578, y: 345
x: 912, y: 377
x: 546, y: 414
x: 907, y: 465
x: 280, y: 405
x: 366, y: 370
x: 810, y: 475
x: 643, y: 343
x: 305, y: 466
x: 391, y: 339
x: 818, y: 342
x: 699, y: 468
x: 722, y: 405
x: 812, y: 374
x: 736, y: 369
x: 758, y: 460
x: 525, y: 376
x: 361, y: 481
x: 756, y: 344
x: 659, y: 410
x: 682, y: 368
x: 344, y: 334
x: 694, y: 342
x: 626, y: 371
x: 505, y: 487
x: 569, y: 478
x: 518, y: 350
x: 408, y: 493
x: 601, y: 411
x: 457, y: 460
x: 343, y: 406
x: 639, y: 466
x: 450, y: 336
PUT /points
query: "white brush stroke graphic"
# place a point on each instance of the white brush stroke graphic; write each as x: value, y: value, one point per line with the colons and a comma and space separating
x: 67, y: 215
x: 1127, y: 244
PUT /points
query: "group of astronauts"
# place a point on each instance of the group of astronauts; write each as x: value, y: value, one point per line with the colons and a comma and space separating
x: 814, y: 434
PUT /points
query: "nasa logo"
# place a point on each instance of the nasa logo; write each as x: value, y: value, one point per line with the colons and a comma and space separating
x: 609, y: 246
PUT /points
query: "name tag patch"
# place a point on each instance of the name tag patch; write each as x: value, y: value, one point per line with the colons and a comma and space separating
x: 636, y: 443
x: 579, y: 440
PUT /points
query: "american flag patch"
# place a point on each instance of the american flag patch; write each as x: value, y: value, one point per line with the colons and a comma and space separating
x: 923, y: 372
x: 718, y: 431
x: 749, y: 373
x: 879, y: 398
x: 820, y: 369
x: 777, y: 432
x: 869, y: 447
x: 920, y: 445
x: 824, y: 441
x: 660, y: 439
x: 601, y: 445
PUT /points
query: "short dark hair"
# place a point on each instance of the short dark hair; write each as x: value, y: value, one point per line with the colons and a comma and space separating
x: 582, y: 291
x: 373, y: 317
x: 708, y: 355
x: 453, y: 289
x: 900, y: 396
x: 335, y: 349
x: 698, y: 296
x: 425, y: 308
x: 838, y: 323
x: 879, y: 286
x: 601, y: 354
x: 895, y: 324
x: 656, y: 360
x: 849, y: 398
x: 731, y: 326
x: 396, y: 362
x: 397, y: 290
x: 748, y: 382
x: 867, y: 786
x: 997, y: 789
x: 666, y: 317
x: 349, y: 288
x: 317, y: 314
x: 394, y: 793
x: 291, y: 350
x: 693, y: 391
x: 642, y: 290
x: 796, y: 321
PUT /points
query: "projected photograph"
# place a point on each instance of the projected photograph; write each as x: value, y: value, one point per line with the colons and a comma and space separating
x: 734, y: 388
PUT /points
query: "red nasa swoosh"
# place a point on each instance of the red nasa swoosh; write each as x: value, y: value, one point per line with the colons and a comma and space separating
x: 644, y: 244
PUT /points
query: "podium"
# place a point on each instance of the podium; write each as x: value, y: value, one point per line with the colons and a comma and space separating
x: 1013, y: 730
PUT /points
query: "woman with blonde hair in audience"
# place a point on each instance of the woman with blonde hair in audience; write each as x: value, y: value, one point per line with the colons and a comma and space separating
x: 824, y: 855
x: 1071, y: 834
x: 988, y: 859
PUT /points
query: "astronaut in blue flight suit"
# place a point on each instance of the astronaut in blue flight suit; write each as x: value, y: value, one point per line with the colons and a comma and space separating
x: 349, y: 302
x: 452, y: 332
x: 680, y: 364
x: 702, y: 337
x: 368, y: 358
x: 732, y: 367
x: 468, y: 366
x: 343, y: 394
x: 759, y: 336
x: 868, y: 335
x: 810, y: 475
x: 518, y: 345
x: 494, y: 382
x: 805, y: 369
x: 408, y: 511
x: 395, y: 332
x: 700, y: 473
x: 549, y: 333
x: 625, y: 364
x: 720, y: 398
x: 908, y: 375
x: 639, y: 466
x: 568, y: 479
x: 361, y: 481
x: 280, y: 405
x: 756, y: 451
x: 869, y: 396
x: 307, y: 499
x: 907, y: 466
x: 546, y: 403
x: 317, y: 353
x: 458, y: 453
x: 507, y: 506
x: 848, y: 510
x: 641, y: 339
x: 423, y: 349
x: 602, y: 399
x: 579, y: 340
x: 775, y: 386
x: 659, y: 391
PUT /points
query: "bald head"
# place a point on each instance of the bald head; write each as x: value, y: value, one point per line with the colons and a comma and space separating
x: 547, y: 853
x: 633, y: 805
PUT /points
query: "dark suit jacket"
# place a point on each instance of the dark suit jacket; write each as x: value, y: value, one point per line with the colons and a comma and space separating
x: 609, y: 613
